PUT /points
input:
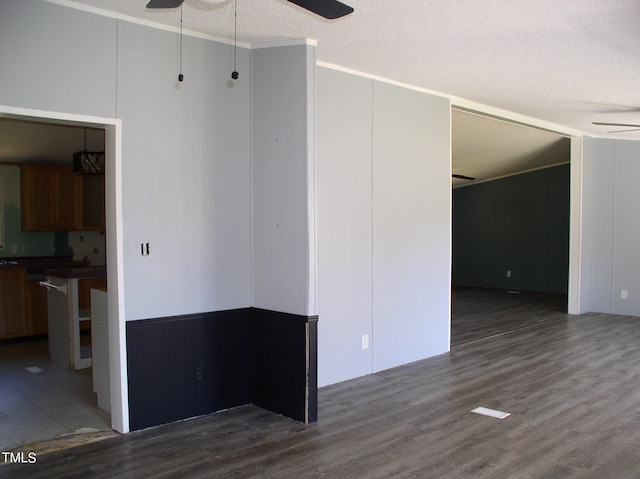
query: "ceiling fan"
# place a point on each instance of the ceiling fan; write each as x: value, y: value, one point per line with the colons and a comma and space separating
x: 632, y: 126
x: 462, y: 177
x: 329, y: 9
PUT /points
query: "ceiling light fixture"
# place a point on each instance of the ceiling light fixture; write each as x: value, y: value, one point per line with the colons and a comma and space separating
x: 235, y: 74
x: 88, y: 162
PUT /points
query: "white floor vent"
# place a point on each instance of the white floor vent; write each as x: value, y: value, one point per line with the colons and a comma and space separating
x: 485, y: 411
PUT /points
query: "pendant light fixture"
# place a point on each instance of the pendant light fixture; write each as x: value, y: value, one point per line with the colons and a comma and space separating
x: 180, y: 75
x: 88, y: 162
x: 235, y: 73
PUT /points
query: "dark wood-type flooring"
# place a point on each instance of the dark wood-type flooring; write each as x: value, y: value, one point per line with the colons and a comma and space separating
x: 479, y: 313
x: 571, y: 384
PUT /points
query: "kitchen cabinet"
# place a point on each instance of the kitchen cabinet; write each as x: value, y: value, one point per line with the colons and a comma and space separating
x: 85, y: 285
x: 12, y: 306
x: 53, y: 198
x: 66, y: 316
x: 48, y: 198
x: 23, y: 302
x: 91, y: 202
x: 35, y: 308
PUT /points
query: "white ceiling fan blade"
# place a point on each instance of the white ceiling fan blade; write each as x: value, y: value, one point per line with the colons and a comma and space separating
x: 615, y: 124
x: 622, y: 131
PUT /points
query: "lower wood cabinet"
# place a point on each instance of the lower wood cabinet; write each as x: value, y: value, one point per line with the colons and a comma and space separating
x: 23, y: 305
x: 36, y: 316
x: 85, y: 286
x: 12, y: 306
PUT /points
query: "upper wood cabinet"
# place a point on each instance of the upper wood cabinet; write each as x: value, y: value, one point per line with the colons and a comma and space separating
x: 48, y: 195
x: 91, y: 202
x: 55, y: 199
x: 65, y: 206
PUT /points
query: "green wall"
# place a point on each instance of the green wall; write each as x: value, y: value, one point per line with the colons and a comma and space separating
x: 518, y: 224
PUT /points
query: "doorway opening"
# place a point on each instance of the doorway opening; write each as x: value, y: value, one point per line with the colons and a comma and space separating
x: 511, y: 223
x: 57, y: 408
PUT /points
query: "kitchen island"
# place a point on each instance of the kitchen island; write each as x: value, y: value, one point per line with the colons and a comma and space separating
x: 67, y: 313
x: 23, y: 302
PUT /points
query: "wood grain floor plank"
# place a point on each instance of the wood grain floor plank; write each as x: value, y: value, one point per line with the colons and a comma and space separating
x: 570, y: 384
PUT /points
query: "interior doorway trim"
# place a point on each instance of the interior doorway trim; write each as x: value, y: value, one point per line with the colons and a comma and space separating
x: 114, y: 237
x: 575, y: 301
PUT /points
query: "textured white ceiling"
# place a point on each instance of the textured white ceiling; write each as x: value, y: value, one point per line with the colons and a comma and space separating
x: 486, y: 148
x: 567, y: 62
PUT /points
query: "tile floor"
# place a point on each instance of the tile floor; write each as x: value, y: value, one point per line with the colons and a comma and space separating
x: 45, y: 401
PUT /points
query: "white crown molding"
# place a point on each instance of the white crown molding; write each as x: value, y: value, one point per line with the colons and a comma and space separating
x: 146, y: 23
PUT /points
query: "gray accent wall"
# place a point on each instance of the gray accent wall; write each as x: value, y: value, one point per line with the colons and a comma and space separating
x: 611, y: 226
x: 518, y: 224
x: 383, y: 187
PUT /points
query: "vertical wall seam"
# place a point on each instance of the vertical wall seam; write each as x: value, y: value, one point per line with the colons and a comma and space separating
x: 116, y: 67
x: 615, y: 223
x: 312, y: 197
x: 450, y: 224
x: 251, y: 182
x: 372, y: 151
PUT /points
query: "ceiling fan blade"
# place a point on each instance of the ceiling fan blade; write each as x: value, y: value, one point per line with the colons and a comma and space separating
x: 622, y: 131
x: 164, y: 3
x: 615, y: 124
x: 329, y: 9
x: 462, y: 177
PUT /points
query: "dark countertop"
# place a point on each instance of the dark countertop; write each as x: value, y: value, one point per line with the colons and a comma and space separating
x: 82, y: 273
x: 37, y: 264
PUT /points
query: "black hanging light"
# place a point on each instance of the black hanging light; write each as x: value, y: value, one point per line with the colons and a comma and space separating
x: 235, y: 73
x: 88, y: 162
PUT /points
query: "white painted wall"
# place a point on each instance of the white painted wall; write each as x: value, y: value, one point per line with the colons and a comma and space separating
x: 626, y: 258
x: 283, y: 179
x: 186, y: 150
x: 186, y: 174
x: 384, y: 224
x: 48, y: 53
x: 178, y: 172
x: 411, y: 225
x: 597, y: 235
x: 345, y: 243
x: 612, y: 229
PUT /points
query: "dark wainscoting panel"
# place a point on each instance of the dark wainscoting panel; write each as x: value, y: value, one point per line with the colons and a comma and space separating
x: 185, y: 366
x: 285, y: 364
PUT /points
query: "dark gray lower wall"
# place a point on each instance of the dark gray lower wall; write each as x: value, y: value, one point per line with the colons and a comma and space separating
x: 186, y: 366
x: 284, y: 364
x: 518, y: 224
